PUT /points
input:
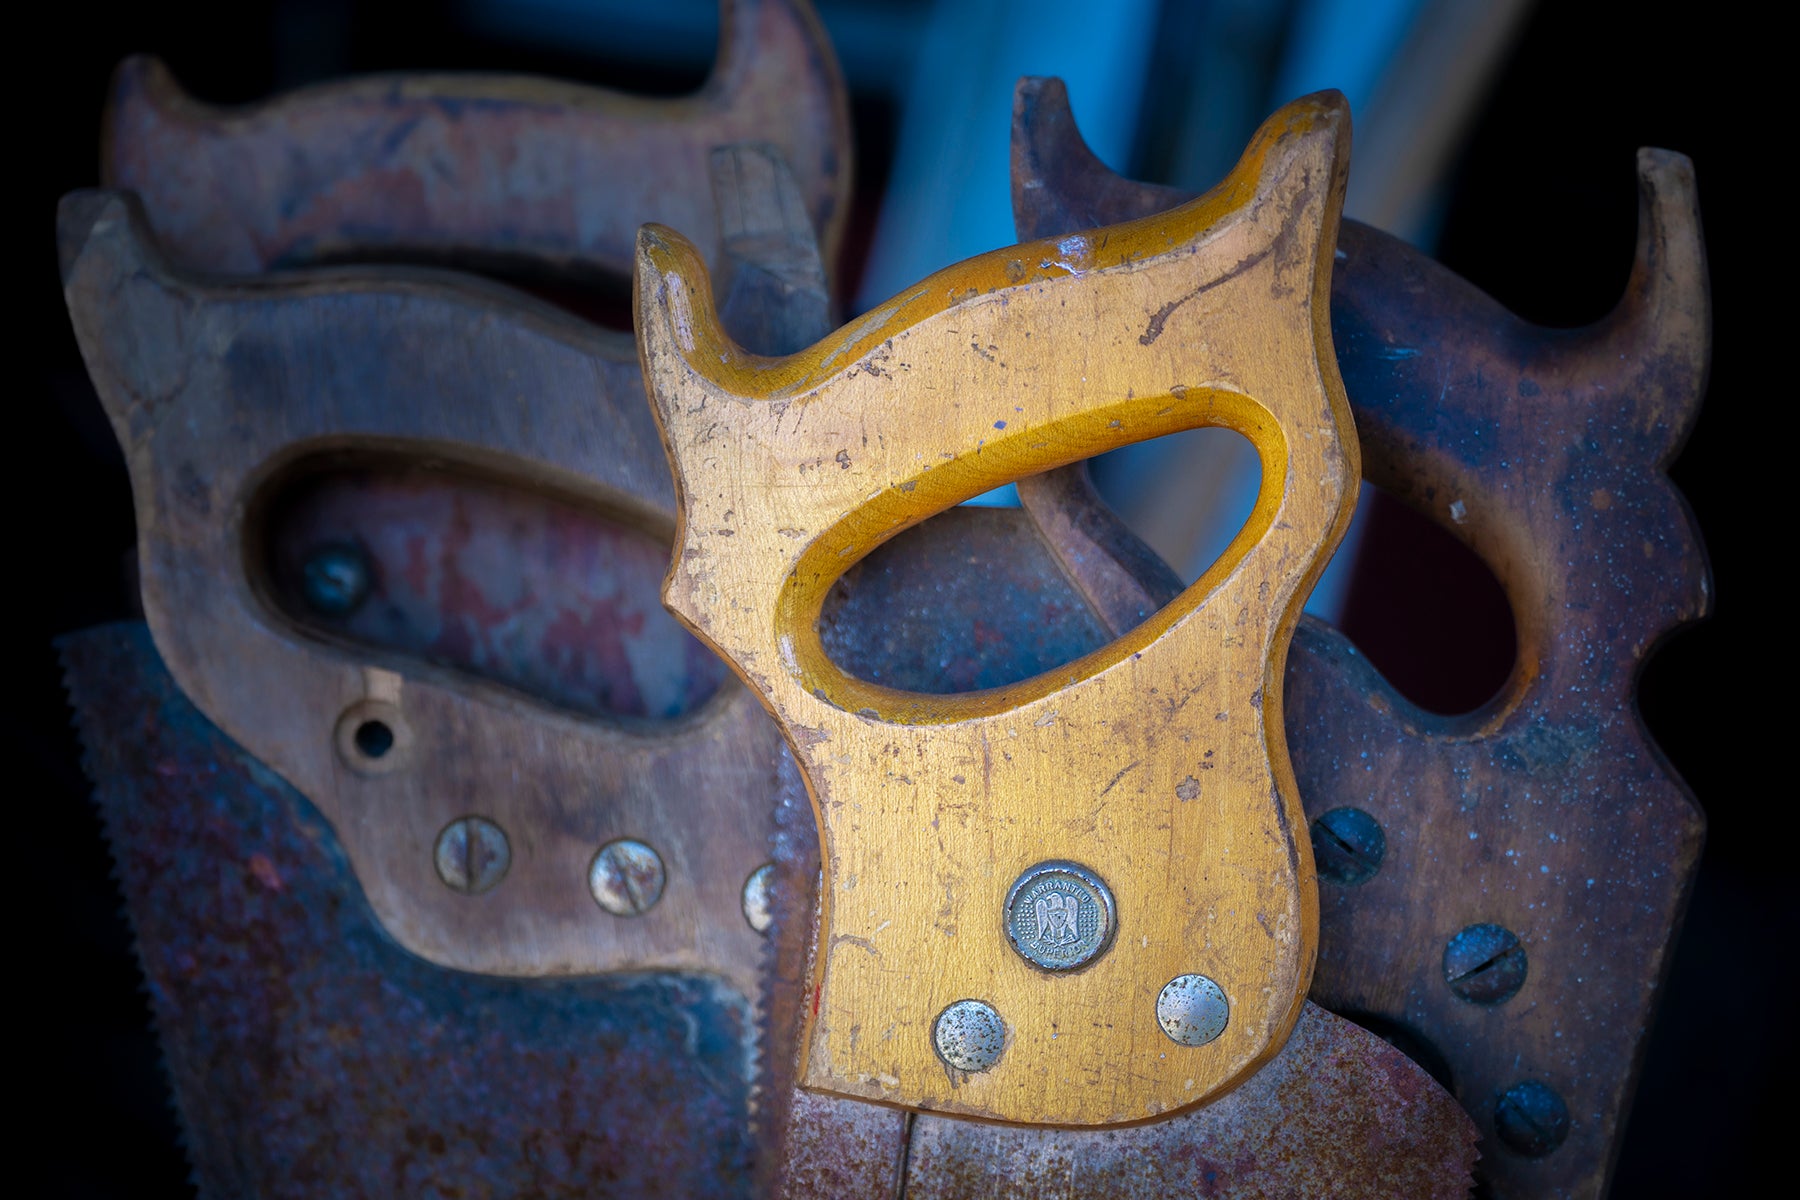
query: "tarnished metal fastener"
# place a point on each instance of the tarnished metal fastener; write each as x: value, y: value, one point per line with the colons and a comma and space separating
x: 1531, y: 1119
x: 1059, y: 915
x: 472, y: 855
x: 759, y: 898
x: 1348, y: 846
x: 335, y: 579
x: 969, y: 1035
x: 626, y: 877
x: 1485, y: 964
x: 1192, y: 1010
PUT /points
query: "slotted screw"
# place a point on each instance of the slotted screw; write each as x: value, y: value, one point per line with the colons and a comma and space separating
x: 1531, y: 1119
x: 627, y: 877
x: 472, y: 855
x: 1485, y: 964
x: 1348, y: 846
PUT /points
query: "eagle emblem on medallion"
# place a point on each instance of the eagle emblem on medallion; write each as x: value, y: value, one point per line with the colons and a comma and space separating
x: 1058, y: 917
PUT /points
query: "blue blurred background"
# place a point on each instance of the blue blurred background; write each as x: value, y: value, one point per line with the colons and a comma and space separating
x: 1497, y: 134
x: 1165, y: 91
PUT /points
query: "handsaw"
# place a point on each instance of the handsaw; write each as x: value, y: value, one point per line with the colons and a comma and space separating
x: 1500, y: 889
x: 563, y: 781
x: 445, y: 493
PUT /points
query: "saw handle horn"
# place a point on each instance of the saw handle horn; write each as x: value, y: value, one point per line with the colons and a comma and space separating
x: 1658, y: 335
x: 885, y: 470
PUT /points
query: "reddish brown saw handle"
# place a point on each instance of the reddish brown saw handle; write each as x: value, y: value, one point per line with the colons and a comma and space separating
x: 513, y: 171
x: 489, y: 466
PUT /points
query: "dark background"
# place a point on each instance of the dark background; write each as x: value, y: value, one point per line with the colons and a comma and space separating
x: 1541, y: 214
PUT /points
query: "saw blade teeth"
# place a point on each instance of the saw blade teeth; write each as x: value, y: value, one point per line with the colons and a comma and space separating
x: 786, y: 966
x: 72, y: 653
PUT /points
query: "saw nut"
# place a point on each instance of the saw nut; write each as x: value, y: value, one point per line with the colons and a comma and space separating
x: 1060, y: 916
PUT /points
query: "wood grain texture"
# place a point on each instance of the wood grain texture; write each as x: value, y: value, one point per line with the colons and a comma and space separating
x: 1549, y: 811
x: 519, y: 172
x: 791, y: 469
x: 213, y: 389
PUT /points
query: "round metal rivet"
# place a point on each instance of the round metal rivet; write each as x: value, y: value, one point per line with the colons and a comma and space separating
x: 335, y: 579
x: 969, y: 1035
x: 472, y: 855
x: 1348, y: 846
x: 1192, y: 1010
x: 759, y: 898
x: 626, y: 877
x: 1485, y: 964
x: 1531, y: 1119
x: 1059, y: 916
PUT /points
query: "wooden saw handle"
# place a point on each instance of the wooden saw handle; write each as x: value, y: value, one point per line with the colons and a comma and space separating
x: 1157, y: 761
x: 514, y: 171
x: 1548, y: 813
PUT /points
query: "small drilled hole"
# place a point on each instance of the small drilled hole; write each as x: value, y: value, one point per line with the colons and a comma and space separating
x: 374, y: 739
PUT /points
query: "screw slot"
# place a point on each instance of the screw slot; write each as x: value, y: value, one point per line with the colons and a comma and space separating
x: 472, y: 855
x: 1485, y: 964
x: 1348, y: 846
x: 627, y: 877
x: 1531, y: 1119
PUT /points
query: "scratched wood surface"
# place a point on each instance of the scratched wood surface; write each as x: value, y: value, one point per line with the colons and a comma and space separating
x: 791, y: 469
x: 1549, y: 811
x: 511, y: 171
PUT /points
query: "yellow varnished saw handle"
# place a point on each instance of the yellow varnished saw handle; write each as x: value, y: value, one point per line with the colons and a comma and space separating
x: 1153, y: 769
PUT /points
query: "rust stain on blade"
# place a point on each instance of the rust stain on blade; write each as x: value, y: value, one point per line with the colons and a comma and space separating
x: 1338, y: 1113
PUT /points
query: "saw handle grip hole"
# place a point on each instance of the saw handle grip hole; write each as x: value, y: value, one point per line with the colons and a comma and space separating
x: 980, y: 596
x: 1427, y: 611
x: 1185, y: 496
x: 482, y: 575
